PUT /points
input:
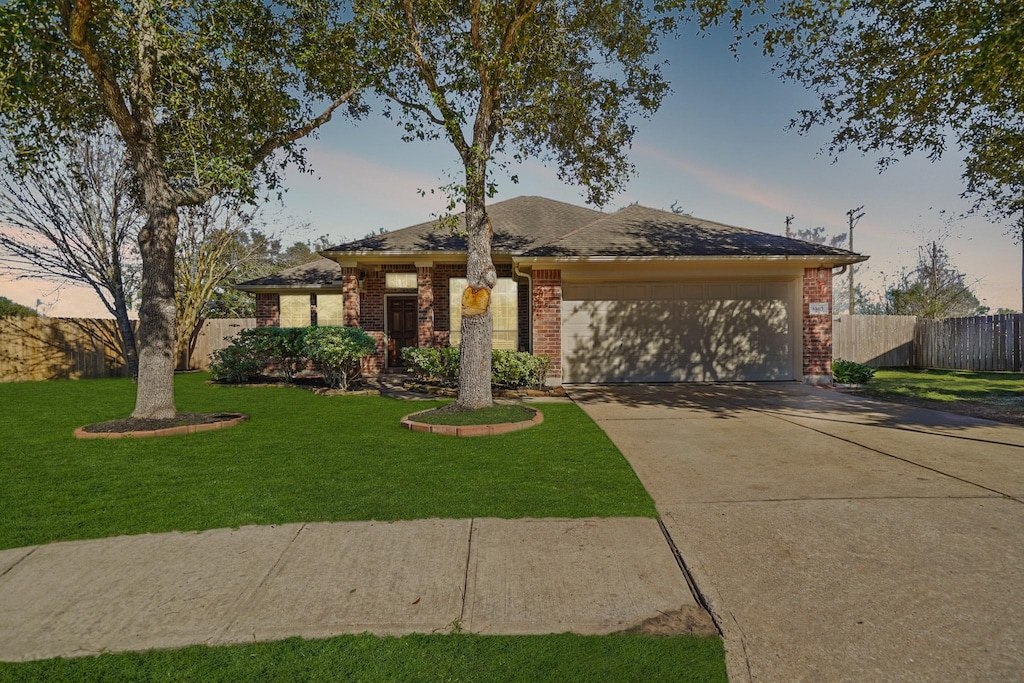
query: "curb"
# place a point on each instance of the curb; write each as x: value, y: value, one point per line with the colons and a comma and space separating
x: 471, y: 430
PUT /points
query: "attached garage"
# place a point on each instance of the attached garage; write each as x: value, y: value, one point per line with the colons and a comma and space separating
x: 680, y: 331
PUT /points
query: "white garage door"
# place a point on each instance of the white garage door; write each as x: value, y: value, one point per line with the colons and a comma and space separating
x: 677, y: 332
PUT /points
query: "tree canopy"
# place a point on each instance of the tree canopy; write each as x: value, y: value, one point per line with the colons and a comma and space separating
x: 208, y: 96
x: 503, y: 81
x: 934, y: 288
x: 10, y: 309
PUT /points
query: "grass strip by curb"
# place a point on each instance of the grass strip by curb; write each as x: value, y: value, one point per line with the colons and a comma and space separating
x: 459, y: 657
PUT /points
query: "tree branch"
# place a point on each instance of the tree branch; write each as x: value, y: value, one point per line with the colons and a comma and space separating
x: 426, y: 69
x: 200, y: 195
x: 76, y: 16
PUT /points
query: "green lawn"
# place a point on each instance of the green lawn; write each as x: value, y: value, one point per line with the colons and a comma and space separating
x: 999, y: 388
x: 563, y: 658
x: 301, y: 458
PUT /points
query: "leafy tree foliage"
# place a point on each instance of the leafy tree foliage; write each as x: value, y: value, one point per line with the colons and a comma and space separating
x: 899, y: 76
x: 208, y: 96
x: 933, y: 289
x: 220, y: 245
x: 10, y: 309
x: 75, y: 218
x: 559, y: 81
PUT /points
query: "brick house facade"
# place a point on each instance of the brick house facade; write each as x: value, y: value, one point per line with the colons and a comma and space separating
x: 545, y: 247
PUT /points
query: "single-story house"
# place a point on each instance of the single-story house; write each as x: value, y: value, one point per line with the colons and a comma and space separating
x: 638, y: 295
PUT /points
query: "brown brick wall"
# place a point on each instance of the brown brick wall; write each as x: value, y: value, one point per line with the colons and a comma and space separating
x: 268, y: 310
x: 371, y: 318
x: 817, y: 329
x: 350, y: 294
x: 425, y: 307
x: 547, y: 318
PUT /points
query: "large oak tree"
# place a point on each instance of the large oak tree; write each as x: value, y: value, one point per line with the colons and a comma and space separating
x: 208, y: 96
x: 504, y: 80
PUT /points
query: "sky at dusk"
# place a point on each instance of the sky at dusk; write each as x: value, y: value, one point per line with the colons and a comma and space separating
x: 718, y: 148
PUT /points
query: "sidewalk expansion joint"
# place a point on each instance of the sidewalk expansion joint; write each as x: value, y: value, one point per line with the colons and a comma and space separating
x: 20, y: 560
x: 465, y: 575
x: 694, y: 590
x: 896, y: 457
x: 241, y: 602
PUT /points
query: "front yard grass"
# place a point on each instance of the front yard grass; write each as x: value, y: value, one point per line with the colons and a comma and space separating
x: 458, y: 657
x: 301, y: 458
x: 991, y: 395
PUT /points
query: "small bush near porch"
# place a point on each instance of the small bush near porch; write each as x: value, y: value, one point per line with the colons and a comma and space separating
x: 301, y: 458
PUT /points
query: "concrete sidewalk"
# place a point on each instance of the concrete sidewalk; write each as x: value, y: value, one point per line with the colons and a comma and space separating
x: 489, y: 576
x: 836, y: 538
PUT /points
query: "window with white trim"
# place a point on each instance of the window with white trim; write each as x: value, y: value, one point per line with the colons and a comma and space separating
x: 504, y: 312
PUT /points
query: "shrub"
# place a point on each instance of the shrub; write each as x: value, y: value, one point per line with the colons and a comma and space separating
x: 848, y: 372
x: 336, y: 351
x: 510, y: 369
x: 433, y: 364
x: 284, y: 346
x: 515, y: 369
x: 238, y: 362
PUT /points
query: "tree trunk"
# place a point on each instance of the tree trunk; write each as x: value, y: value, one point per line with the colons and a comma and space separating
x: 126, y: 333
x: 155, y: 397
x: 477, y: 326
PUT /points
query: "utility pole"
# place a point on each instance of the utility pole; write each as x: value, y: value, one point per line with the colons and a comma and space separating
x: 854, y: 215
x: 789, y: 221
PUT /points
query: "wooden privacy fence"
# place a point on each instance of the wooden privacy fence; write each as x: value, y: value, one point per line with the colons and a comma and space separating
x: 881, y: 341
x: 990, y: 342
x: 214, y: 336
x: 33, y: 349
x: 58, y: 348
x: 981, y: 343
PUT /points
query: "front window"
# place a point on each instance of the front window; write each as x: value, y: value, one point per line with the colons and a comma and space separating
x: 504, y: 311
x: 400, y: 280
x: 303, y: 310
x: 330, y: 309
x: 295, y: 310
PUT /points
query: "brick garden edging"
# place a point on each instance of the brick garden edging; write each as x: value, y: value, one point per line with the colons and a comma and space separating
x: 80, y: 433
x: 471, y: 430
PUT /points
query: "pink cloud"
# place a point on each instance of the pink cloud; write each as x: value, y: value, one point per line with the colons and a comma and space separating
x: 745, y: 188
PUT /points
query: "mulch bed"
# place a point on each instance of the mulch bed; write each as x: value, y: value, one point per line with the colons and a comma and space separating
x: 432, y: 389
x: 182, y: 423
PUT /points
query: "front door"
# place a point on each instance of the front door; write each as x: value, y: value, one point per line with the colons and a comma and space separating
x: 402, y: 327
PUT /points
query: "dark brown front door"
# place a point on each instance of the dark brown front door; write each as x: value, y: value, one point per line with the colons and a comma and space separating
x: 402, y: 328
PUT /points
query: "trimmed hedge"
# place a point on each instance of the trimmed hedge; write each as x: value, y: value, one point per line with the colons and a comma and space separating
x: 509, y: 369
x: 334, y: 351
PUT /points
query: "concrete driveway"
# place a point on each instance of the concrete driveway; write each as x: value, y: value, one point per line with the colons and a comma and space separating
x: 834, y: 537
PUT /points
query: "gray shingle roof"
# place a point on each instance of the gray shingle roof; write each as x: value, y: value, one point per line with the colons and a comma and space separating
x: 640, y: 231
x: 319, y: 273
x: 544, y: 228
x: 519, y: 224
